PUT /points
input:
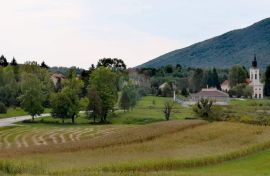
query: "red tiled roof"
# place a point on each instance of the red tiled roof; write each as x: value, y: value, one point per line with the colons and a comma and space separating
x: 213, y: 92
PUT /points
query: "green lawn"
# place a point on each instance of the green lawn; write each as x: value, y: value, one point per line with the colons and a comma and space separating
x: 254, y: 165
x: 147, y: 112
x: 14, y: 112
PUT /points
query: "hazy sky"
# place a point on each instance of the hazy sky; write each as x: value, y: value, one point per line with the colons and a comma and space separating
x: 79, y: 32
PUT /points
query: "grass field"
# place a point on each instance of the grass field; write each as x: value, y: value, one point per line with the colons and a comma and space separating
x: 147, y: 112
x: 131, y: 145
x: 14, y: 112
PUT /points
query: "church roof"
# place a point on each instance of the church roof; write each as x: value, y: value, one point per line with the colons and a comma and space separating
x: 254, y: 62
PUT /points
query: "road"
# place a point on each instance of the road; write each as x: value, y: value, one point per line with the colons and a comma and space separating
x: 10, y: 121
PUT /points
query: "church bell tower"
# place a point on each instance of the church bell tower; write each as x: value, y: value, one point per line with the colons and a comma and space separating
x: 254, y: 74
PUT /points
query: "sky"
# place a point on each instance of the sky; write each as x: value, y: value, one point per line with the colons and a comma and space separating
x: 80, y: 32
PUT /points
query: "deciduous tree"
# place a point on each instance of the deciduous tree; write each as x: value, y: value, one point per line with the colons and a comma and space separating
x: 32, y: 98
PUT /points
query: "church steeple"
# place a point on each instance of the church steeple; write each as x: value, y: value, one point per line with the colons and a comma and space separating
x: 254, y: 62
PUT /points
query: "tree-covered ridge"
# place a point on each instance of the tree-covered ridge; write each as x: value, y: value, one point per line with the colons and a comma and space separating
x: 233, y: 48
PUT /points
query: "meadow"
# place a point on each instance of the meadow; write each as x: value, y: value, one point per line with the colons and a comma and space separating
x: 138, y: 142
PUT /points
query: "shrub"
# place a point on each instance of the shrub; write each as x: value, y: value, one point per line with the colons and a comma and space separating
x: 207, y: 111
x: 3, y: 108
x: 168, y: 105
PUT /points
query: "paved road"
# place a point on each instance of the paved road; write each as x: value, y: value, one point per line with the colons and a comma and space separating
x: 12, y: 120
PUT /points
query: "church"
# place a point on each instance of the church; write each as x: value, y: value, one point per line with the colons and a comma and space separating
x: 255, y: 83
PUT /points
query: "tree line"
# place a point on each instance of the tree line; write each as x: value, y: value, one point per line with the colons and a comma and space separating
x: 95, y: 91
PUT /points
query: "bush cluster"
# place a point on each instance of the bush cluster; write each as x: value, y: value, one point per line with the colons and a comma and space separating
x: 3, y: 108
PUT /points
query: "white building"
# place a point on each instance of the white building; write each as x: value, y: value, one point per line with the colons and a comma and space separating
x: 225, y: 86
x: 256, y: 84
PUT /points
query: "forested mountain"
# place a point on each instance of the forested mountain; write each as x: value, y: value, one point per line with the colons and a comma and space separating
x: 235, y: 47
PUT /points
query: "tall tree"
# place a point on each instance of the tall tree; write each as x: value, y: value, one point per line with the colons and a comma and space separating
x: 32, y: 98
x: 216, y: 82
x: 66, y: 104
x: 9, y: 87
x: 125, y: 100
x: 44, y: 65
x: 197, y: 80
x: 94, y: 108
x: 267, y: 81
x: 3, y: 61
x: 237, y: 75
x: 60, y: 104
x: 105, y: 82
x: 114, y: 64
x: 13, y: 62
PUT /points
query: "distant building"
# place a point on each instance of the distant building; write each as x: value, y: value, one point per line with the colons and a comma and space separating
x: 225, y: 86
x: 255, y: 82
x: 57, y: 78
x: 214, y: 94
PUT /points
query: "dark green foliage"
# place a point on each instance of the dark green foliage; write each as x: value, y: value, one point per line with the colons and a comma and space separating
x: 125, y: 101
x: 114, y: 64
x: 9, y: 87
x: 85, y: 78
x: 105, y: 82
x: 3, y: 108
x: 184, y: 92
x: 235, y: 47
x: 216, y: 82
x: 66, y: 104
x: 237, y: 75
x: 13, y: 62
x: 3, y: 61
x: 197, y: 81
x: 203, y: 108
x: 130, y: 96
x: 168, y: 105
x: 60, y: 104
x: 32, y: 98
x: 94, y: 109
x: 241, y: 90
x: 44, y: 65
x: 267, y: 81
x: 169, y: 69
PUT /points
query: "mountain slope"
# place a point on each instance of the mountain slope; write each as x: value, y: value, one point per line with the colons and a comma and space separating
x: 235, y: 47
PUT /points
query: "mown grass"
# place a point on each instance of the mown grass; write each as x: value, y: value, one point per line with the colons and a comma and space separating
x: 15, y: 112
x: 147, y: 112
x: 158, y: 147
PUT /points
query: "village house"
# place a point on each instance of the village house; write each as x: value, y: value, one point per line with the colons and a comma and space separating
x: 214, y: 94
x: 57, y: 78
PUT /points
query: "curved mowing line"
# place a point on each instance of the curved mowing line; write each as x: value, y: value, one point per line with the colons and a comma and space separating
x: 17, y: 138
x: 65, y: 136
x: 72, y: 136
x: 78, y: 136
x: 27, y: 137
x: 46, y: 136
x: 6, y: 143
x: 54, y: 136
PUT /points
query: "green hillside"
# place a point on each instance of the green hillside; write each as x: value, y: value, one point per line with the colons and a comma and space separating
x: 235, y: 47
